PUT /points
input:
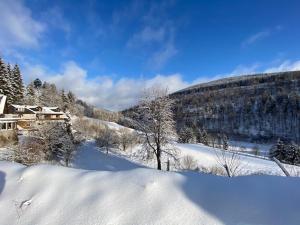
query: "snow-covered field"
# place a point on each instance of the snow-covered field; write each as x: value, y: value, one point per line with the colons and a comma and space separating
x: 206, y: 157
x: 128, y: 194
x: 116, y: 188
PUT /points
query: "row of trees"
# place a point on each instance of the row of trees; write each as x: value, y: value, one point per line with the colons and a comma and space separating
x: 47, y: 94
x: 11, y: 83
x: 195, y: 134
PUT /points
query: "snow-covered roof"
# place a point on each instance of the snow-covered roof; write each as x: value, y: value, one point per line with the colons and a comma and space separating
x: 49, y: 110
x: 2, y: 103
x: 24, y: 106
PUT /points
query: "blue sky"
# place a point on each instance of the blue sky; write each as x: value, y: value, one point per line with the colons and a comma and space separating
x: 108, y: 51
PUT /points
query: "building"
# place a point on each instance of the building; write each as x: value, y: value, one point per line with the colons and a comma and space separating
x: 24, y: 117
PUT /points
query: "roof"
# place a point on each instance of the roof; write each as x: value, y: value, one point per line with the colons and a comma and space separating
x: 24, y: 106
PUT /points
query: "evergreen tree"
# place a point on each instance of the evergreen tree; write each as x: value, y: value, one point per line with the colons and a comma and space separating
x: 10, y: 91
x: 64, y: 99
x: 71, y: 98
x: 225, y: 141
x: 37, y: 83
x: 17, y: 84
x: 30, y: 97
x: 4, y: 82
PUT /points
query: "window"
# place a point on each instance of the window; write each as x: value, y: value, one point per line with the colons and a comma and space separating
x: 3, y: 126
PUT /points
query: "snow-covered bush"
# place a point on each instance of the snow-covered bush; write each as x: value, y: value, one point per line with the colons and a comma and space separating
x: 29, y: 152
x: 7, y: 138
x: 57, y: 141
x: 286, y: 151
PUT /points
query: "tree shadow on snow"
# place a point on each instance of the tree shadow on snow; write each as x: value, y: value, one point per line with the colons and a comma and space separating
x: 267, y: 200
x: 90, y: 157
x: 2, y: 181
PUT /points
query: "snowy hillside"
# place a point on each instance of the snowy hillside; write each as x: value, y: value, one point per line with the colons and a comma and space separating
x: 56, y: 195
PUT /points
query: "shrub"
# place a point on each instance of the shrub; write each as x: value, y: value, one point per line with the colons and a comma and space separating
x: 188, y: 163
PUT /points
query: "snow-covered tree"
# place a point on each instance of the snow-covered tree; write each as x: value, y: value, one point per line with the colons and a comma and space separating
x: 186, y: 135
x: 17, y: 84
x: 30, y: 96
x: 155, y: 122
x: 5, y: 81
x: 107, y: 138
x: 126, y: 138
x: 10, y: 88
x: 225, y: 141
x: 286, y: 151
x: 56, y: 138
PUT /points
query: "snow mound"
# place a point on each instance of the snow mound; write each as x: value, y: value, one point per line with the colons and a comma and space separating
x: 46, y: 194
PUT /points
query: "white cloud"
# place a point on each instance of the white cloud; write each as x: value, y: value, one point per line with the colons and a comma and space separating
x: 261, y: 35
x: 160, y: 58
x: 17, y: 27
x: 285, y: 66
x: 256, y: 37
x: 102, y: 91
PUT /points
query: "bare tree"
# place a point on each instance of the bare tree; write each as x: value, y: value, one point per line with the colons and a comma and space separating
x: 188, y: 163
x: 107, y: 138
x: 230, y: 161
x: 155, y: 122
x: 127, y: 138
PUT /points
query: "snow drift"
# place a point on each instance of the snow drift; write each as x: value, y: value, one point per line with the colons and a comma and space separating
x: 45, y: 194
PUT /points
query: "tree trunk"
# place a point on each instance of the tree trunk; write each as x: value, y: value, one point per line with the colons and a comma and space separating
x: 158, y: 163
x: 168, y: 165
x: 158, y: 160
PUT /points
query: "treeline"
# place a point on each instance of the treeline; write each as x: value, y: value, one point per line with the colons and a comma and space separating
x: 11, y: 82
x: 47, y: 94
x: 262, y: 107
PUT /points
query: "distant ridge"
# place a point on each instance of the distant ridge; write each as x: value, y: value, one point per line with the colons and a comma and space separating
x: 239, y: 79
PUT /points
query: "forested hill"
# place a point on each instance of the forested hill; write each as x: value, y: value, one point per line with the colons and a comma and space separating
x: 261, y: 106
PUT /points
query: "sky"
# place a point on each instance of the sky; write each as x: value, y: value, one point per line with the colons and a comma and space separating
x: 107, y: 52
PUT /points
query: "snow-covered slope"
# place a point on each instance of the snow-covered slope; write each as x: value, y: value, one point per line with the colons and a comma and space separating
x: 47, y: 194
x: 206, y: 157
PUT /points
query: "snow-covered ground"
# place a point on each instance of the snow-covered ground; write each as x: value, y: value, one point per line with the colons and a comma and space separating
x: 131, y: 195
x: 207, y: 157
x: 89, y: 157
x: 249, y: 147
x: 118, y: 189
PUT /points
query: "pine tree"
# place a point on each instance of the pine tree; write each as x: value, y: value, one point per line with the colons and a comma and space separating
x: 3, y: 78
x: 9, y: 89
x: 30, y: 96
x: 18, y: 87
x: 71, y: 98
x: 64, y: 99
x: 225, y: 141
x: 37, y: 83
